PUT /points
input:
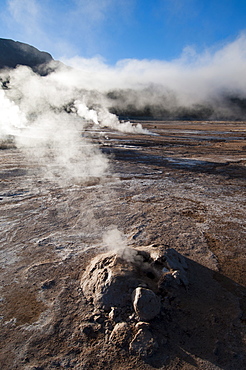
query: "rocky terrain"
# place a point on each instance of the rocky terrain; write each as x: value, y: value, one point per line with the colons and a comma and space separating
x: 141, y: 269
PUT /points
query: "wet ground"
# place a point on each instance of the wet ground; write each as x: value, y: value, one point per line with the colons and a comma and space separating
x: 183, y: 187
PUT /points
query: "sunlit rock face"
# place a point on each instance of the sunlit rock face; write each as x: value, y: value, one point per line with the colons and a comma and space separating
x: 13, y: 53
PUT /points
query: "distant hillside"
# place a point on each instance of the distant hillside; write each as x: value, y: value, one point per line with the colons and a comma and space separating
x: 13, y: 53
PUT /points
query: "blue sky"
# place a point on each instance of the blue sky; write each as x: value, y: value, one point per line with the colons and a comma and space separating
x: 122, y: 29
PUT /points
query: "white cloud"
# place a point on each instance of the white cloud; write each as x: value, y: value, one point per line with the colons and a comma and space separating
x: 92, y: 10
x: 88, y: 22
x: 26, y: 14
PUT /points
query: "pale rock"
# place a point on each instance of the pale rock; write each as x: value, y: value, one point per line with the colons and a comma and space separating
x: 145, y: 303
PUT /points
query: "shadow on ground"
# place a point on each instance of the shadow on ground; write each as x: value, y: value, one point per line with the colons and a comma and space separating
x: 227, y: 169
x: 203, y: 322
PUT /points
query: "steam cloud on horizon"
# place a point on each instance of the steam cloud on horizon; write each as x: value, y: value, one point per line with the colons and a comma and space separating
x: 47, y: 114
x: 210, y: 85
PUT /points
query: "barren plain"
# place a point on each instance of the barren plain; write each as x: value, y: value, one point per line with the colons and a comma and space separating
x: 182, y: 187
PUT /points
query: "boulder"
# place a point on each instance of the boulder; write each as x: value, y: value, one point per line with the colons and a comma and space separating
x: 145, y: 303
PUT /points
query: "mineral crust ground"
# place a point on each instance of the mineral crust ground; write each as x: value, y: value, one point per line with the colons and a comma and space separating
x: 181, y: 187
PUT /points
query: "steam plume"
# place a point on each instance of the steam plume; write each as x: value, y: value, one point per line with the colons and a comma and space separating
x: 116, y: 242
x: 210, y: 85
x: 47, y: 117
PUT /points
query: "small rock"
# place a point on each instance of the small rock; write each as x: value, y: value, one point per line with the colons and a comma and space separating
x: 143, y: 344
x: 114, y: 314
x: 145, y: 303
x: 120, y: 334
x: 167, y: 281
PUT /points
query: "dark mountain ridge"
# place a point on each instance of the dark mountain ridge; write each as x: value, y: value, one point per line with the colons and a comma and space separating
x: 150, y: 102
x: 14, y: 53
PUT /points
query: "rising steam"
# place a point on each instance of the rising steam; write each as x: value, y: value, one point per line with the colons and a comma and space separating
x: 47, y: 115
x: 116, y: 242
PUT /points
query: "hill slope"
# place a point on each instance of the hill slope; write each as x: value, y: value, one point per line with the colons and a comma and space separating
x: 13, y: 53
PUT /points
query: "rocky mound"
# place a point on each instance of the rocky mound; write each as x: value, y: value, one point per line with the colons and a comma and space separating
x: 127, y: 292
